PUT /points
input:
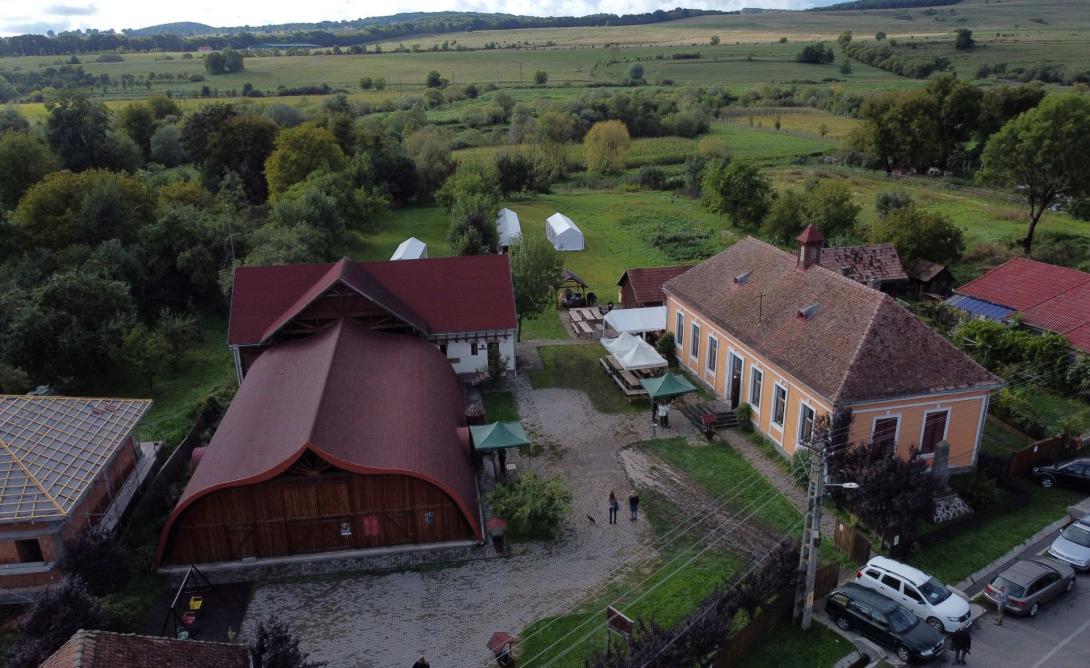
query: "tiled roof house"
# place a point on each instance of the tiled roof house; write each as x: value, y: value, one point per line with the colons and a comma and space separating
x: 796, y: 340
x: 104, y: 649
x: 642, y: 287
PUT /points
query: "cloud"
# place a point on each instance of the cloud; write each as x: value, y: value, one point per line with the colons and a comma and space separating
x: 71, y: 10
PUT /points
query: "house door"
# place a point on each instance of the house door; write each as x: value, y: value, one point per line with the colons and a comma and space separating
x: 735, y: 380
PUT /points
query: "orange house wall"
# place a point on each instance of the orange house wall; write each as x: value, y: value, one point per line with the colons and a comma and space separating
x: 964, y: 423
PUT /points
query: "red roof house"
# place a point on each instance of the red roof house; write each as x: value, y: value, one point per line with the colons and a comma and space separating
x: 350, y: 438
x: 1048, y: 297
x: 642, y: 287
x: 104, y: 649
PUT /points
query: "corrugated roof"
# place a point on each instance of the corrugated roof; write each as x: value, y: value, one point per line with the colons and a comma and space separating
x: 439, y: 295
x: 104, y: 649
x: 52, y: 449
x: 979, y: 307
x: 647, y: 282
x: 364, y: 401
x: 876, y: 262
x: 859, y: 344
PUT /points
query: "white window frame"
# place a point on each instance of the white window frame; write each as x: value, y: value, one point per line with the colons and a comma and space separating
x: 694, y: 343
x: 803, y: 404
x: 923, y: 427
x: 772, y: 416
x: 712, y: 360
x: 896, y: 432
x: 754, y: 370
x: 679, y: 335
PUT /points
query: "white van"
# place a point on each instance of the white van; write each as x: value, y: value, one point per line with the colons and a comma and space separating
x: 944, y: 608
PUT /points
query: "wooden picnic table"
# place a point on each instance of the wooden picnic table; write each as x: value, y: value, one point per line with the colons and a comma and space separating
x: 574, y: 315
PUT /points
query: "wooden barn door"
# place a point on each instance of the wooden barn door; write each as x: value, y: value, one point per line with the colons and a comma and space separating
x: 318, y: 516
x: 300, y: 513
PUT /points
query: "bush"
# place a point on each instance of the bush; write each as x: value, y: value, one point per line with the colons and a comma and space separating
x: 744, y: 413
x: 667, y: 347
x: 800, y: 466
x: 979, y: 489
x: 652, y: 178
x: 98, y: 559
x: 1012, y: 406
x: 535, y: 507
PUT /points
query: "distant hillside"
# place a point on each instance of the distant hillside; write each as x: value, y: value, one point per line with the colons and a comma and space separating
x: 883, y: 4
x: 182, y: 29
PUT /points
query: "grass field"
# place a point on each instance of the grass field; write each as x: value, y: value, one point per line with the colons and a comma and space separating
x: 999, y: 441
x: 500, y: 407
x: 576, y: 367
x: 788, y: 646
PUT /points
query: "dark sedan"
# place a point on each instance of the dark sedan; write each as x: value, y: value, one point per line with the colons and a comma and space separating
x: 1030, y: 583
x: 884, y: 621
x: 1075, y: 473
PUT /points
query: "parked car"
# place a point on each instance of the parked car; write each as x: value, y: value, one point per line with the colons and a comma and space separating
x: 1030, y: 583
x: 927, y: 598
x: 1072, y: 546
x: 1075, y: 473
x: 885, y: 621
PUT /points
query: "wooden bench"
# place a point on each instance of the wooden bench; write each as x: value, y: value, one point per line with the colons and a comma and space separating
x: 574, y: 315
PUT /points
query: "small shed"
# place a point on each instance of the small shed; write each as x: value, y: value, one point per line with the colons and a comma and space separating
x: 563, y: 233
x: 410, y: 249
x: 508, y: 228
x: 571, y: 290
x: 930, y: 279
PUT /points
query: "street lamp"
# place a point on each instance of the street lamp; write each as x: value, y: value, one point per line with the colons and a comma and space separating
x: 845, y: 485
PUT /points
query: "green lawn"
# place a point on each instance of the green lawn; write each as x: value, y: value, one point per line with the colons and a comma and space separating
x: 576, y: 367
x: 500, y: 407
x: 544, y: 327
x: 1000, y: 441
x: 956, y: 558
x: 1050, y: 408
x: 788, y: 646
x: 766, y: 145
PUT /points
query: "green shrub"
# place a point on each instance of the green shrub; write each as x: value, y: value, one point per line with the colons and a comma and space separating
x: 979, y: 489
x: 667, y: 347
x: 744, y: 413
x: 534, y: 507
x: 800, y: 466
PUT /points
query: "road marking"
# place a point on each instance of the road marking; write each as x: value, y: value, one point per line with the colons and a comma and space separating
x: 1057, y: 648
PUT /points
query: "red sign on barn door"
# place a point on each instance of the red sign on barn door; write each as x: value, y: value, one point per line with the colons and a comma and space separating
x: 371, y: 526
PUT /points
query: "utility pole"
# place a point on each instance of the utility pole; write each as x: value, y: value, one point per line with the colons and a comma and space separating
x: 808, y: 554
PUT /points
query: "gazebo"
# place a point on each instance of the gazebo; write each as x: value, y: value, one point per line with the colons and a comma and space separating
x: 667, y: 387
x: 496, y: 439
x: 568, y: 284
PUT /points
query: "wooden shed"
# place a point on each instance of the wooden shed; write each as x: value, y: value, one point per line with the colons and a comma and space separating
x: 347, y: 439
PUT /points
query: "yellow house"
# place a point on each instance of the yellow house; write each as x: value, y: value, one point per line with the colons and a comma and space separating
x: 796, y: 340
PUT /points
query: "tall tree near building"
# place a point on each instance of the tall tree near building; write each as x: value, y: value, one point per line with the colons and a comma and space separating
x: 58, y: 612
x: 1043, y: 155
x: 606, y: 146
x: 77, y: 129
x: 737, y: 189
x: 471, y: 196
x: 535, y: 270
x: 300, y: 151
x: 275, y: 646
x: 918, y: 235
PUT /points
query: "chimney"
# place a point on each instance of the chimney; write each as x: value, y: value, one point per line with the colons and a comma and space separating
x: 810, y: 242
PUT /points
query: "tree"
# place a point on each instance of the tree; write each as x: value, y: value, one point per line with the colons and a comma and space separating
x: 785, y: 216
x: 958, y: 113
x: 200, y: 125
x: 517, y: 172
x: 738, y: 189
x: 275, y: 646
x: 714, y: 41
x: 367, y: 83
x: 918, y: 235
x: 1042, y: 154
x: 52, y: 619
x: 635, y: 73
x: 666, y: 346
x: 844, y: 39
x: 890, y: 200
x: 471, y: 196
x: 435, y: 80
x: 535, y: 269
x: 232, y: 60
x: 24, y: 160
x: 1000, y: 104
x: 534, y: 506
x: 242, y: 145
x: 166, y: 146
x: 331, y: 203
x: 299, y: 151
x: 98, y: 559
x: 429, y: 148
x: 557, y: 127
x: 831, y: 207
x: 845, y: 68
x: 541, y: 77
x: 183, y: 249
x: 817, y: 54
x: 77, y: 130
x: 145, y: 352
x: 137, y: 120
x: 879, y: 36
x: 223, y: 62
x: 605, y: 147
x: 11, y: 119
x: 963, y: 39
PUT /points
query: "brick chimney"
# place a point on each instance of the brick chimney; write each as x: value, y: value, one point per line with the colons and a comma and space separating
x: 810, y: 242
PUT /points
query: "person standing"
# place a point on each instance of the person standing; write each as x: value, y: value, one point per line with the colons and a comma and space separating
x: 664, y: 415
x: 633, y: 505
x: 614, y: 506
x: 961, y: 642
x: 1001, y: 604
x: 421, y: 663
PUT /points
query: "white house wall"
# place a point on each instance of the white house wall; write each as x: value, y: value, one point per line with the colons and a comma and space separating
x: 461, y: 357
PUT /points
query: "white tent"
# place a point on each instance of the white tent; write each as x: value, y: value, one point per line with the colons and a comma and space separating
x: 642, y: 356
x: 410, y: 249
x: 508, y: 227
x: 620, y: 345
x: 637, y: 320
x: 563, y: 233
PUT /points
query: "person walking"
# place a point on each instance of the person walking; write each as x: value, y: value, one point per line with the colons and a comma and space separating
x: 633, y: 505
x: 961, y: 642
x: 1001, y: 604
x: 664, y: 415
x: 421, y: 663
x: 614, y: 506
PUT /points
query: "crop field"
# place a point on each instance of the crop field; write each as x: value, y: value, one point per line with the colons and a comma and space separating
x: 793, y: 120
x: 643, y: 151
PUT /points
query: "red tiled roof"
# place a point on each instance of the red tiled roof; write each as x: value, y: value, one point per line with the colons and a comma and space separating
x: 1052, y: 298
x: 877, y: 262
x: 436, y: 295
x: 365, y: 401
x: 104, y: 649
x: 647, y: 282
x: 858, y: 345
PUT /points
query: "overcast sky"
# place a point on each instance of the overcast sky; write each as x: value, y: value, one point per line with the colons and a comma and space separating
x: 34, y: 16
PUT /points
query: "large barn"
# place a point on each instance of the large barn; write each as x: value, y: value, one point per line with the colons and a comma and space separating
x: 349, y: 438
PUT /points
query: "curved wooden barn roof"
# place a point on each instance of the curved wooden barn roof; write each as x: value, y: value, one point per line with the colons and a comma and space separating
x: 365, y: 401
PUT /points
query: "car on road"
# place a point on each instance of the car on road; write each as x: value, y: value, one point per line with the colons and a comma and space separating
x: 1075, y: 473
x: 1072, y: 546
x: 885, y: 621
x: 1030, y: 583
x: 927, y: 598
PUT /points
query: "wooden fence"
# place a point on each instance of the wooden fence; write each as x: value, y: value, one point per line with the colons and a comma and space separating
x: 1046, y: 451
x: 739, y: 645
x: 852, y: 542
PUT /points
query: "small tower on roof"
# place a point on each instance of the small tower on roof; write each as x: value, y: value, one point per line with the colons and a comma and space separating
x: 810, y: 242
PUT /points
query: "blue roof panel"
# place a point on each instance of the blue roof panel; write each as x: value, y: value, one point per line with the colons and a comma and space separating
x: 979, y: 307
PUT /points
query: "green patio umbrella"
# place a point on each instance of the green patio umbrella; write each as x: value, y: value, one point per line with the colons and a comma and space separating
x: 498, y: 436
x: 665, y: 387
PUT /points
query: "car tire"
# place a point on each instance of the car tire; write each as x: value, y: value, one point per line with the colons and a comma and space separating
x: 1033, y: 609
x: 1047, y: 481
x: 1070, y: 584
x: 903, y: 653
x: 936, y: 624
x: 843, y: 623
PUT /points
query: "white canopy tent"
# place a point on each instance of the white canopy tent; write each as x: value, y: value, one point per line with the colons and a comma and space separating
x: 508, y: 227
x: 642, y: 356
x: 410, y: 249
x: 563, y: 233
x: 620, y: 345
x: 637, y: 320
